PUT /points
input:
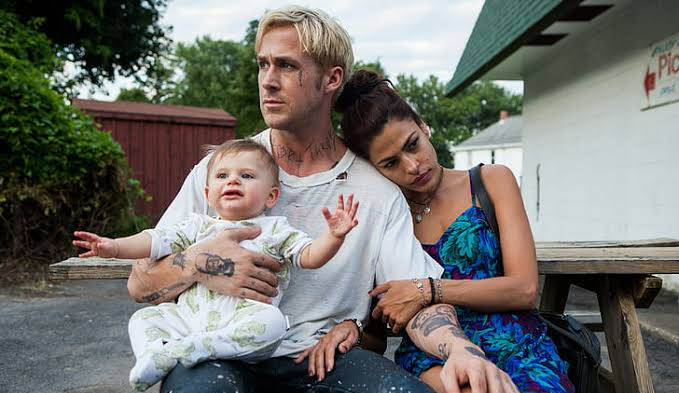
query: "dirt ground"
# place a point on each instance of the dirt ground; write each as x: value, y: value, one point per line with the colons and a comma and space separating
x: 72, y: 337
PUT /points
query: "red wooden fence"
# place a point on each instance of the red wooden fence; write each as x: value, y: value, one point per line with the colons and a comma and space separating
x: 162, y: 142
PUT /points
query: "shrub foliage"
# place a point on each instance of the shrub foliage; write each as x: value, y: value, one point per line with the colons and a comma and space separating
x: 58, y: 171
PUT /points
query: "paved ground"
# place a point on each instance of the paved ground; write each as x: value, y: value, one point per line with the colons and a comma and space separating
x: 71, y: 337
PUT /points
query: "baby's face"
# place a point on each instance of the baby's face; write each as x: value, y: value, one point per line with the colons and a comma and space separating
x: 240, y: 186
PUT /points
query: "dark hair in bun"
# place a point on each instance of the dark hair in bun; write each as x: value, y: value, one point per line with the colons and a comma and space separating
x: 367, y: 103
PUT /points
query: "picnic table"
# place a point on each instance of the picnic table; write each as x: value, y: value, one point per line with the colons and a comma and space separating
x: 619, y: 273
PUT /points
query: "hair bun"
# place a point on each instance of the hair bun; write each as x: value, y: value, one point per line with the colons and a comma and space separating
x: 362, y: 82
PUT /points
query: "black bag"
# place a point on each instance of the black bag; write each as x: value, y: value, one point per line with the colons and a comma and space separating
x: 579, y: 347
x: 576, y: 344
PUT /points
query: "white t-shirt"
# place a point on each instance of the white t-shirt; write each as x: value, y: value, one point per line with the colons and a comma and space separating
x: 381, y: 248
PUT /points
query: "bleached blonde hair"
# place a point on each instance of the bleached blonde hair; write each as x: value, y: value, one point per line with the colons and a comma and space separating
x: 321, y: 36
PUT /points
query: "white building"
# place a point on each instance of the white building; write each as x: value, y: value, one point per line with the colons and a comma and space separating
x: 600, y: 115
x: 498, y: 144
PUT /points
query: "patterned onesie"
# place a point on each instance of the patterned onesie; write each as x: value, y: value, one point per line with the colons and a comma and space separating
x: 203, y: 324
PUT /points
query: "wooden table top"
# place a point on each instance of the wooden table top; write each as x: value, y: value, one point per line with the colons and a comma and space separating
x: 657, y: 256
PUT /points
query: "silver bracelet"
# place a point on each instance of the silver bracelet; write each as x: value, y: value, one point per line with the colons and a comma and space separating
x: 439, y: 290
x: 420, y: 287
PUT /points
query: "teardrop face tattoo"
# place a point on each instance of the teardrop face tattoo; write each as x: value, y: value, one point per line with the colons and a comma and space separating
x: 300, y: 74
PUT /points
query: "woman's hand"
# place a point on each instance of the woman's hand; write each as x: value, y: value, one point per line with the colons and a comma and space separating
x: 401, y: 301
x: 342, y: 336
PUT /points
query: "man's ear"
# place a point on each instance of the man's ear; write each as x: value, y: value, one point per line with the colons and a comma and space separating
x: 333, y: 79
x: 273, y: 197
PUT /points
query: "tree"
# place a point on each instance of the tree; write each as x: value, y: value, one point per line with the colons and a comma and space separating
x: 59, y: 171
x: 135, y: 94
x: 101, y: 37
x: 208, y: 67
x: 374, y: 66
x: 243, y: 99
x: 452, y: 120
x: 218, y: 74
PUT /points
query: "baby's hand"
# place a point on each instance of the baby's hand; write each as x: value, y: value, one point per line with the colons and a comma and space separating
x: 98, y: 246
x: 344, y: 218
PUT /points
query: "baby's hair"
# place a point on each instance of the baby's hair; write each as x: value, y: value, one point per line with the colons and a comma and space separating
x: 236, y: 146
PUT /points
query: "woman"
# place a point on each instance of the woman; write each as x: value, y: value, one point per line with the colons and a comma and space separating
x: 494, y: 297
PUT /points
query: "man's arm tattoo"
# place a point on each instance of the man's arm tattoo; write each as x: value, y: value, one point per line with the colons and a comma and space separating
x: 217, y: 266
x: 430, y: 320
x: 476, y: 352
x: 145, y: 264
x: 150, y: 298
x: 444, y: 352
x: 179, y: 260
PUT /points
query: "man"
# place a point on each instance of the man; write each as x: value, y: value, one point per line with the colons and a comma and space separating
x: 304, y: 59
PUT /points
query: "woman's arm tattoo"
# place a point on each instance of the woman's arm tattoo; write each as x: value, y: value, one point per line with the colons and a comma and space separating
x: 217, y: 266
x: 431, y: 319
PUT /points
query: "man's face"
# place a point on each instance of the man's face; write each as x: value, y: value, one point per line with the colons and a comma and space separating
x: 290, y: 81
x: 240, y: 186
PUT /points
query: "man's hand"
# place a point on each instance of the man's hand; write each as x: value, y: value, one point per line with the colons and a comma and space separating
x: 401, y: 301
x: 437, y: 331
x: 469, y: 366
x: 344, y: 218
x: 222, y: 265
x: 321, y: 356
x: 97, y: 245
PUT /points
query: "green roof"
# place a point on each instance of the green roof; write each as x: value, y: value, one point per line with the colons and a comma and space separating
x: 503, y: 27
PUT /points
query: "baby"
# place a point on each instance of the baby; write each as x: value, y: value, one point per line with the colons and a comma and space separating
x: 242, y: 182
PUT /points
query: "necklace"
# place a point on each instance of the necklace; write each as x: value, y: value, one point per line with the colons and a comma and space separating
x: 419, y: 215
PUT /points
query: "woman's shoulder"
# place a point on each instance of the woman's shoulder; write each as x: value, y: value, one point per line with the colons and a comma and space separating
x: 499, y: 180
x: 496, y: 173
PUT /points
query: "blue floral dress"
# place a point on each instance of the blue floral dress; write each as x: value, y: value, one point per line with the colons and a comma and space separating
x: 516, y: 342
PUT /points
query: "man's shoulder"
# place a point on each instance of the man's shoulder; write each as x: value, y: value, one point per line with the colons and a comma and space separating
x: 263, y: 139
x: 362, y: 172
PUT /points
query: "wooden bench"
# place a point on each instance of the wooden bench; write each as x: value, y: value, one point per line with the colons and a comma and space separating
x: 619, y: 273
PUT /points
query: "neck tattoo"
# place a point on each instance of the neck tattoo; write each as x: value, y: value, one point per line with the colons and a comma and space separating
x: 426, y: 205
x: 314, y: 150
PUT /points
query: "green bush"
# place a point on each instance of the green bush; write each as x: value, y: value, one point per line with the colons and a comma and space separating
x: 58, y: 171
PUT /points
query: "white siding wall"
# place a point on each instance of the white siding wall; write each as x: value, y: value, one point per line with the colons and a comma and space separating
x: 509, y: 156
x: 461, y: 159
x: 512, y: 157
x: 478, y: 156
x: 607, y: 169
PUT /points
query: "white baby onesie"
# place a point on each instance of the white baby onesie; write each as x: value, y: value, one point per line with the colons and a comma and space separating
x: 203, y: 324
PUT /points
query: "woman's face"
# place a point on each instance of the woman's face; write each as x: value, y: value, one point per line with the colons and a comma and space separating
x: 403, y: 154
